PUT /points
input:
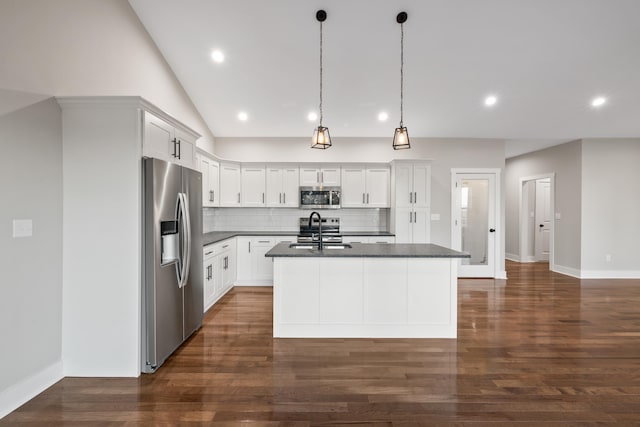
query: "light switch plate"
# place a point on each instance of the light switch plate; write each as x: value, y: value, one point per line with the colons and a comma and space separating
x: 435, y: 217
x: 558, y: 215
x: 22, y: 228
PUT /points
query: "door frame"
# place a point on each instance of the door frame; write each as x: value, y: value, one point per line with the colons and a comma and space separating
x: 498, y: 268
x: 523, y: 209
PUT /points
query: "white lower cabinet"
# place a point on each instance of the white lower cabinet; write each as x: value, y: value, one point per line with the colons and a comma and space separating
x: 254, y: 269
x: 219, y: 263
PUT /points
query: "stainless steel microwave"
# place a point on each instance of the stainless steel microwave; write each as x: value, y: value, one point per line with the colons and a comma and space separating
x: 320, y: 197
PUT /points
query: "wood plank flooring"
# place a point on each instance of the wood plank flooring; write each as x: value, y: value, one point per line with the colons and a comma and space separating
x: 540, y: 348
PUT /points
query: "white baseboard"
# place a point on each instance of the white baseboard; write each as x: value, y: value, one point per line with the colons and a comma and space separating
x: 512, y: 257
x: 501, y: 275
x: 569, y: 271
x: 610, y: 274
x: 254, y: 283
x: 17, y: 394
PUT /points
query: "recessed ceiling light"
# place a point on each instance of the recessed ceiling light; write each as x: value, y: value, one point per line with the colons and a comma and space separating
x: 312, y: 116
x: 217, y: 56
x: 382, y: 116
x: 599, y: 101
x: 490, y: 101
x: 242, y: 116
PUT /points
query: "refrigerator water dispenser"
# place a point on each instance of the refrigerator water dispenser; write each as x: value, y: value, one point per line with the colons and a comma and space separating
x: 170, y: 242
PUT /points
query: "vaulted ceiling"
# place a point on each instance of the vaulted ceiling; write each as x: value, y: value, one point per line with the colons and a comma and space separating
x: 544, y: 60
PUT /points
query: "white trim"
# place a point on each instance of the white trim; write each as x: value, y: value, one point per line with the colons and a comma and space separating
x: 610, y: 274
x: 251, y: 282
x: 569, y: 271
x: 523, y: 220
x: 512, y: 257
x: 20, y: 393
x: 502, y: 274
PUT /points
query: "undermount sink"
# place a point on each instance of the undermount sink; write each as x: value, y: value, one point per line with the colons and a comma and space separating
x: 315, y: 246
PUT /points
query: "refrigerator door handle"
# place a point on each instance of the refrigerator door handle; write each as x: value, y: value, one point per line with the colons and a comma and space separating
x: 187, y: 238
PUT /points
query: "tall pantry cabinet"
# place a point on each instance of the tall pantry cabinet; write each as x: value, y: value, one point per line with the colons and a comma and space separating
x: 411, y: 201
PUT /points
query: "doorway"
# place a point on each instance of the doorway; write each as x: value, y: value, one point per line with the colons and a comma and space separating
x: 537, y: 218
x: 475, y: 211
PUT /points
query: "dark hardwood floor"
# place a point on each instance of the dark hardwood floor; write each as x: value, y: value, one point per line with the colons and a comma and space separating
x: 540, y: 348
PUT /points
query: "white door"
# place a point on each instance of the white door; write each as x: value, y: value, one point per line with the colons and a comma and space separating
x: 290, y: 187
x: 253, y: 186
x: 229, y: 185
x: 309, y: 177
x: 404, y: 185
x: 330, y: 177
x: 214, y: 182
x: 543, y: 219
x: 404, y: 225
x: 421, y: 226
x: 274, y: 187
x: 474, y: 222
x: 421, y: 185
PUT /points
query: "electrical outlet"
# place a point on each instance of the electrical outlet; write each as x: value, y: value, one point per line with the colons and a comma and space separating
x: 22, y: 227
x: 607, y: 257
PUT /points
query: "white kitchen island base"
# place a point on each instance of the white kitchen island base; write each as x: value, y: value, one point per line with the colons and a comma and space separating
x: 365, y: 297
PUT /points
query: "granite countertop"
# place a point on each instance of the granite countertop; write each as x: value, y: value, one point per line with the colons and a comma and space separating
x: 370, y: 250
x: 218, y: 236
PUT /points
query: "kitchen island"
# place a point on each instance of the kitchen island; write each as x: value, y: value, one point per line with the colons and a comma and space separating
x: 365, y: 291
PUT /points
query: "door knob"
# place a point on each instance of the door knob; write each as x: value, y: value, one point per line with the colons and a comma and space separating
x: 492, y: 230
x: 541, y: 225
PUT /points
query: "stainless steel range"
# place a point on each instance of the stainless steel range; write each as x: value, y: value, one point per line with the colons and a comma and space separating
x: 330, y: 230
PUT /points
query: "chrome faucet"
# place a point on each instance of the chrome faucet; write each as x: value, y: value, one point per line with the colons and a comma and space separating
x: 319, y: 227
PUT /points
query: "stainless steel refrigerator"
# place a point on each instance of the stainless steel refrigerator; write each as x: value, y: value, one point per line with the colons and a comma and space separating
x: 172, y: 278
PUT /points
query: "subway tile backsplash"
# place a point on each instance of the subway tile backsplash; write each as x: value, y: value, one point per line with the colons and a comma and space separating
x: 286, y: 219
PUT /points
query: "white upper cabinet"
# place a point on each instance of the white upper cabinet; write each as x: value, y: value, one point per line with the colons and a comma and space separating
x: 229, y: 184
x: 210, y: 170
x: 327, y: 176
x: 253, y: 187
x: 165, y: 142
x: 365, y: 187
x: 282, y: 187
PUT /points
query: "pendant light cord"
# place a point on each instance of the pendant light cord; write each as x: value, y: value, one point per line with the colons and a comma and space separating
x: 320, y: 73
x: 401, y: 72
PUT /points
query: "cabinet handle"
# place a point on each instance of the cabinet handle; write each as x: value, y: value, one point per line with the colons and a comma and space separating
x: 208, y: 253
x: 175, y: 143
x: 410, y: 197
x: 262, y: 197
x: 238, y: 197
x: 211, y: 195
x: 284, y: 198
x: 249, y: 247
x: 410, y: 217
x: 280, y: 196
x: 225, y: 246
x: 179, y: 149
x: 415, y: 217
x: 363, y: 198
x: 213, y: 192
x: 264, y: 241
x: 317, y: 176
x: 322, y: 176
x: 367, y: 198
x: 415, y: 197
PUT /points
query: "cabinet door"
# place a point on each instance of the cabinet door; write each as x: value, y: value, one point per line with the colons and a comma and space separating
x: 403, y: 185
x: 158, y: 141
x: 244, y: 259
x: 207, y: 194
x: 421, y: 185
x: 262, y: 267
x: 214, y: 182
x: 253, y: 187
x: 186, y: 149
x: 290, y: 188
x: 353, y: 188
x: 209, y: 282
x: 421, y: 226
x: 229, y: 185
x: 274, y: 187
x: 309, y: 177
x: 377, y: 188
x: 404, y: 225
x: 330, y: 176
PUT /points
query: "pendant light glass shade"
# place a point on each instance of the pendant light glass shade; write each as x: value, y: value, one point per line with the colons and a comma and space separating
x: 401, y: 139
x: 321, y: 138
x: 401, y: 135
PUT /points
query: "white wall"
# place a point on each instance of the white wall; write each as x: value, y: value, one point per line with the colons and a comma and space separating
x: 610, y: 207
x: 88, y: 48
x: 31, y: 287
x: 445, y: 154
x: 566, y: 162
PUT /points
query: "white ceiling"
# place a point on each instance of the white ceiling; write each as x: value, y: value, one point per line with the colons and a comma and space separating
x: 544, y: 59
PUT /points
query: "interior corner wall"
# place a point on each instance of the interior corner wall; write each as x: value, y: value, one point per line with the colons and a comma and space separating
x: 610, y: 206
x: 444, y: 154
x: 89, y: 48
x: 31, y: 288
x: 565, y: 161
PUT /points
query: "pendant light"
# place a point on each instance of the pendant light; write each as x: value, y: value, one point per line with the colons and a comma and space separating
x: 401, y: 135
x: 321, y: 138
